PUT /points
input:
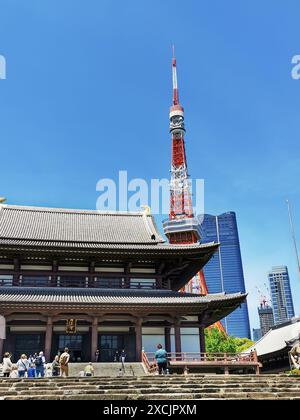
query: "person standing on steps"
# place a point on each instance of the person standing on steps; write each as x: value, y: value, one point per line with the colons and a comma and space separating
x: 56, y: 366
x: 7, y: 365
x: 22, y: 366
x: 117, y: 356
x: 122, y: 359
x: 31, y: 371
x: 161, y: 357
x: 40, y: 365
x: 97, y: 356
x: 14, y: 374
x: 64, y: 363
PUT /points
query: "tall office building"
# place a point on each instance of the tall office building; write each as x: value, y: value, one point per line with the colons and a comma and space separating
x: 256, y: 334
x: 281, y: 294
x: 266, y: 318
x: 224, y: 272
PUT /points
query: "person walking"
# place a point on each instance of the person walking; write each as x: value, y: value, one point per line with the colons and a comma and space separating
x: 122, y: 356
x: 40, y: 365
x: 161, y: 357
x: 97, y: 356
x: 23, y: 366
x: 64, y: 363
x: 89, y: 370
x: 122, y: 359
x: 56, y: 366
x: 7, y: 365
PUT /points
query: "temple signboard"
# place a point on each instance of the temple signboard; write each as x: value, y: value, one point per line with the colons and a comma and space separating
x: 71, y: 326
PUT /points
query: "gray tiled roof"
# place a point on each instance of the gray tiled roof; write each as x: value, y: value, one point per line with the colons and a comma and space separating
x: 96, y: 245
x: 276, y: 339
x: 18, y: 295
x: 61, y: 226
x: 31, y: 227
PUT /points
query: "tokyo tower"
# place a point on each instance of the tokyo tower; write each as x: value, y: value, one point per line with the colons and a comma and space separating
x: 182, y: 227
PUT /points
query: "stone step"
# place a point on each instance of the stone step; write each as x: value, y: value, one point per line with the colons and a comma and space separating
x: 41, y: 385
x: 162, y: 380
x: 147, y: 391
x: 109, y: 369
x: 173, y: 387
x: 182, y: 396
x: 170, y: 378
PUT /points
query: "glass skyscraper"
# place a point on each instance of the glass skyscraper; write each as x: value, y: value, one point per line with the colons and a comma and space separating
x: 224, y: 272
x: 281, y: 294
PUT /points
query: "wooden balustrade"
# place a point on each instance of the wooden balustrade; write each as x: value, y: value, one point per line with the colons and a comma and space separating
x: 218, y: 360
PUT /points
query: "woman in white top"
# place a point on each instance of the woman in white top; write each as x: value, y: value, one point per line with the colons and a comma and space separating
x: 23, y: 366
x: 7, y: 365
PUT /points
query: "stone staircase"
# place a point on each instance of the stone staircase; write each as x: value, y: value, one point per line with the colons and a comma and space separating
x: 109, y: 369
x: 173, y: 387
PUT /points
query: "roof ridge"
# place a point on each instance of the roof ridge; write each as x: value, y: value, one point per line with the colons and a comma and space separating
x: 70, y: 210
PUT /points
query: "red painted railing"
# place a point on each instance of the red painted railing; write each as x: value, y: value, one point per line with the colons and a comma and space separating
x: 203, y: 359
x: 150, y: 366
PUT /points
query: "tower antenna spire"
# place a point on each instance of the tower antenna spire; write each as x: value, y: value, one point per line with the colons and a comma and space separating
x: 293, y: 235
x: 175, y: 82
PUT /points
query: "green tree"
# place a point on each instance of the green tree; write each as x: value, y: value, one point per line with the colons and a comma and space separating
x: 243, y: 344
x: 218, y: 342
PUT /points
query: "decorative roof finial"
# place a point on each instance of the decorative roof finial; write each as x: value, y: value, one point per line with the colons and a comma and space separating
x: 147, y: 210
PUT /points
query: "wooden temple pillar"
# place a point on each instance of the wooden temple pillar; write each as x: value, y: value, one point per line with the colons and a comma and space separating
x: 202, y: 340
x: 94, y: 340
x: 177, y: 337
x: 138, y: 340
x: 168, y: 339
x: 48, y: 338
x: 2, y: 334
x: 1, y: 348
x: 16, y: 278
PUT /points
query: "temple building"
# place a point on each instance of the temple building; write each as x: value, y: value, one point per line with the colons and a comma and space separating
x: 93, y: 280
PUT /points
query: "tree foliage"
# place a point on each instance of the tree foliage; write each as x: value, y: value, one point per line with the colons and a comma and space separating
x: 218, y: 342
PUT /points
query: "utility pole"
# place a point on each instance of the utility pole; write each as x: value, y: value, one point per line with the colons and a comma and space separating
x: 293, y: 235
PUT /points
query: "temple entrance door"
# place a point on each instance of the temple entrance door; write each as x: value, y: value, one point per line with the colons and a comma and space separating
x: 74, y: 342
x: 28, y: 344
x: 109, y: 344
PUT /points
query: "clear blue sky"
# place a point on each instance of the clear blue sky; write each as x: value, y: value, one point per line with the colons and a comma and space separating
x: 88, y: 89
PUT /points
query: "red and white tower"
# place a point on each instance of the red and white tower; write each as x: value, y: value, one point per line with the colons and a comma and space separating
x: 182, y: 227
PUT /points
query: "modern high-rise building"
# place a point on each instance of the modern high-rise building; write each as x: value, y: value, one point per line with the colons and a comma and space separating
x: 224, y: 272
x: 281, y: 294
x: 266, y: 318
x: 256, y: 334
